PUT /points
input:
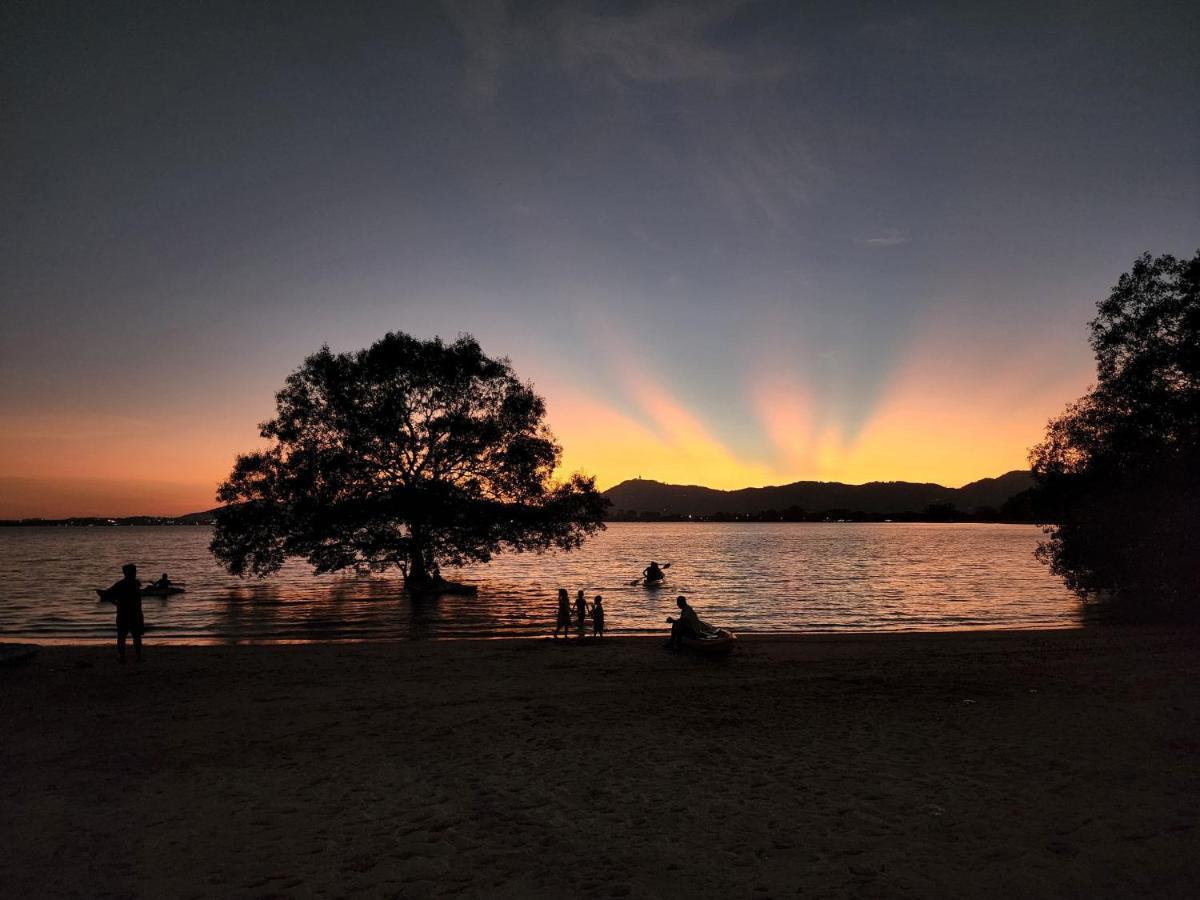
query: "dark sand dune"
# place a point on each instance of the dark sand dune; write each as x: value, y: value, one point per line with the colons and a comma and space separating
x: 1018, y: 764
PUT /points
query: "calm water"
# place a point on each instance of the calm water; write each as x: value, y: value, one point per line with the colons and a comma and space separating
x: 750, y: 577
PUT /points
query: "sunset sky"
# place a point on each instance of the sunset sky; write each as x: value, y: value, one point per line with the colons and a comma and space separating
x: 732, y: 243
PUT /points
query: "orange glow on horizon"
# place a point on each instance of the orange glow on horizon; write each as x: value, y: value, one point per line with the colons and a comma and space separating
x: 943, y: 418
x: 55, y: 466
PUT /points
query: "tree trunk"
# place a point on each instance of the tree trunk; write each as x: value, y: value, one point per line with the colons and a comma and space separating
x: 417, y: 572
x: 421, y: 567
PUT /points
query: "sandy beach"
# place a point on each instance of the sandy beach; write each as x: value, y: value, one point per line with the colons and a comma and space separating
x: 991, y: 763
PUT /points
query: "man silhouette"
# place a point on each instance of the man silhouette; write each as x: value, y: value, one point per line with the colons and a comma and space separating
x: 126, y: 594
x: 688, y: 625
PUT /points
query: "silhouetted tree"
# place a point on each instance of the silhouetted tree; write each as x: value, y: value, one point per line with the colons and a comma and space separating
x: 1021, y: 508
x: 407, y: 454
x: 1120, y: 468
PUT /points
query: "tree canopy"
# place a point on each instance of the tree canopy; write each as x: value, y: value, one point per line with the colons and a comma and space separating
x: 1119, y: 470
x: 409, y: 454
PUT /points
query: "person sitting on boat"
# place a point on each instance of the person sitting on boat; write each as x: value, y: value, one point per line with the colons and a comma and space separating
x: 163, y: 583
x: 688, y: 625
x: 652, y: 573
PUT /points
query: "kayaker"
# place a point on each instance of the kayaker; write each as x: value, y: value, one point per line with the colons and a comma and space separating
x: 127, y: 595
x: 598, y: 617
x: 687, y: 625
x: 564, y: 613
x: 163, y: 583
x: 652, y: 572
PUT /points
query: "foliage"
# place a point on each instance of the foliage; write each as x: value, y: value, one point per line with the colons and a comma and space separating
x: 1119, y: 470
x: 408, y: 454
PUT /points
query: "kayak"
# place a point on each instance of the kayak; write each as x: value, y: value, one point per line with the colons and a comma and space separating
x: 161, y: 592
x: 720, y: 641
x: 657, y: 582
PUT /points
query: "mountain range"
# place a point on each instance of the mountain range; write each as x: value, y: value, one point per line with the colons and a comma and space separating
x: 641, y: 496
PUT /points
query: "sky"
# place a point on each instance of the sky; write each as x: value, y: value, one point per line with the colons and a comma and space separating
x: 731, y: 243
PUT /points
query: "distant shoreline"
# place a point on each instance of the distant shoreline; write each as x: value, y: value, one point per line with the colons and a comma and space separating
x: 76, y: 522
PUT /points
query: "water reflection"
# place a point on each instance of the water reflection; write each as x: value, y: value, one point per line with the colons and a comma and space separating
x: 751, y: 577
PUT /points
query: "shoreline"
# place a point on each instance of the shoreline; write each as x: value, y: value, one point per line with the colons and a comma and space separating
x: 1031, y: 762
x: 742, y: 636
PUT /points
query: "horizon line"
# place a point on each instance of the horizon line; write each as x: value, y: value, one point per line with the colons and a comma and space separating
x: 177, y: 485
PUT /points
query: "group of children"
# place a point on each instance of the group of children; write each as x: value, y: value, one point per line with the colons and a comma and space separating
x: 582, y: 611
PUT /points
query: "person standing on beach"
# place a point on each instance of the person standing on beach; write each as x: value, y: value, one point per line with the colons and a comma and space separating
x: 598, y: 617
x: 564, y: 613
x: 126, y: 594
x: 581, y: 612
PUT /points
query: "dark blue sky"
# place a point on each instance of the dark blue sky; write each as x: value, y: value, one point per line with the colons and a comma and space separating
x: 756, y: 241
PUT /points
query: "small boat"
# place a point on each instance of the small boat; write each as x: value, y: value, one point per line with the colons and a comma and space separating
x: 718, y: 642
x: 156, y: 591
x: 657, y: 582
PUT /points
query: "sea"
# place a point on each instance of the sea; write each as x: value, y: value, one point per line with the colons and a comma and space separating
x: 749, y: 577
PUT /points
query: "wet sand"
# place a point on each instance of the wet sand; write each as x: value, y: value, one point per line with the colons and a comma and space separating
x: 1022, y: 764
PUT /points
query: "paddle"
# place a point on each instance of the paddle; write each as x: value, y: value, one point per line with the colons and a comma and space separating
x: 641, y: 580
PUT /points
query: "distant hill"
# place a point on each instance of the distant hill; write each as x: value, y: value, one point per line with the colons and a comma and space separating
x: 641, y: 496
x: 198, y: 518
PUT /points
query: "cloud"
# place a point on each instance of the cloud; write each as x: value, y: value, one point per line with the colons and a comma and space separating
x: 731, y: 138
x: 889, y: 237
x: 760, y: 175
x: 664, y: 42
x: 490, y: 39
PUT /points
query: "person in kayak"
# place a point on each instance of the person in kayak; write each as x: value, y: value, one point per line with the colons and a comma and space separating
x: 564, y: 613
x: 688, y: 625
x: 126, y: 594
x: 652, y: 573
x: 163, y: 583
